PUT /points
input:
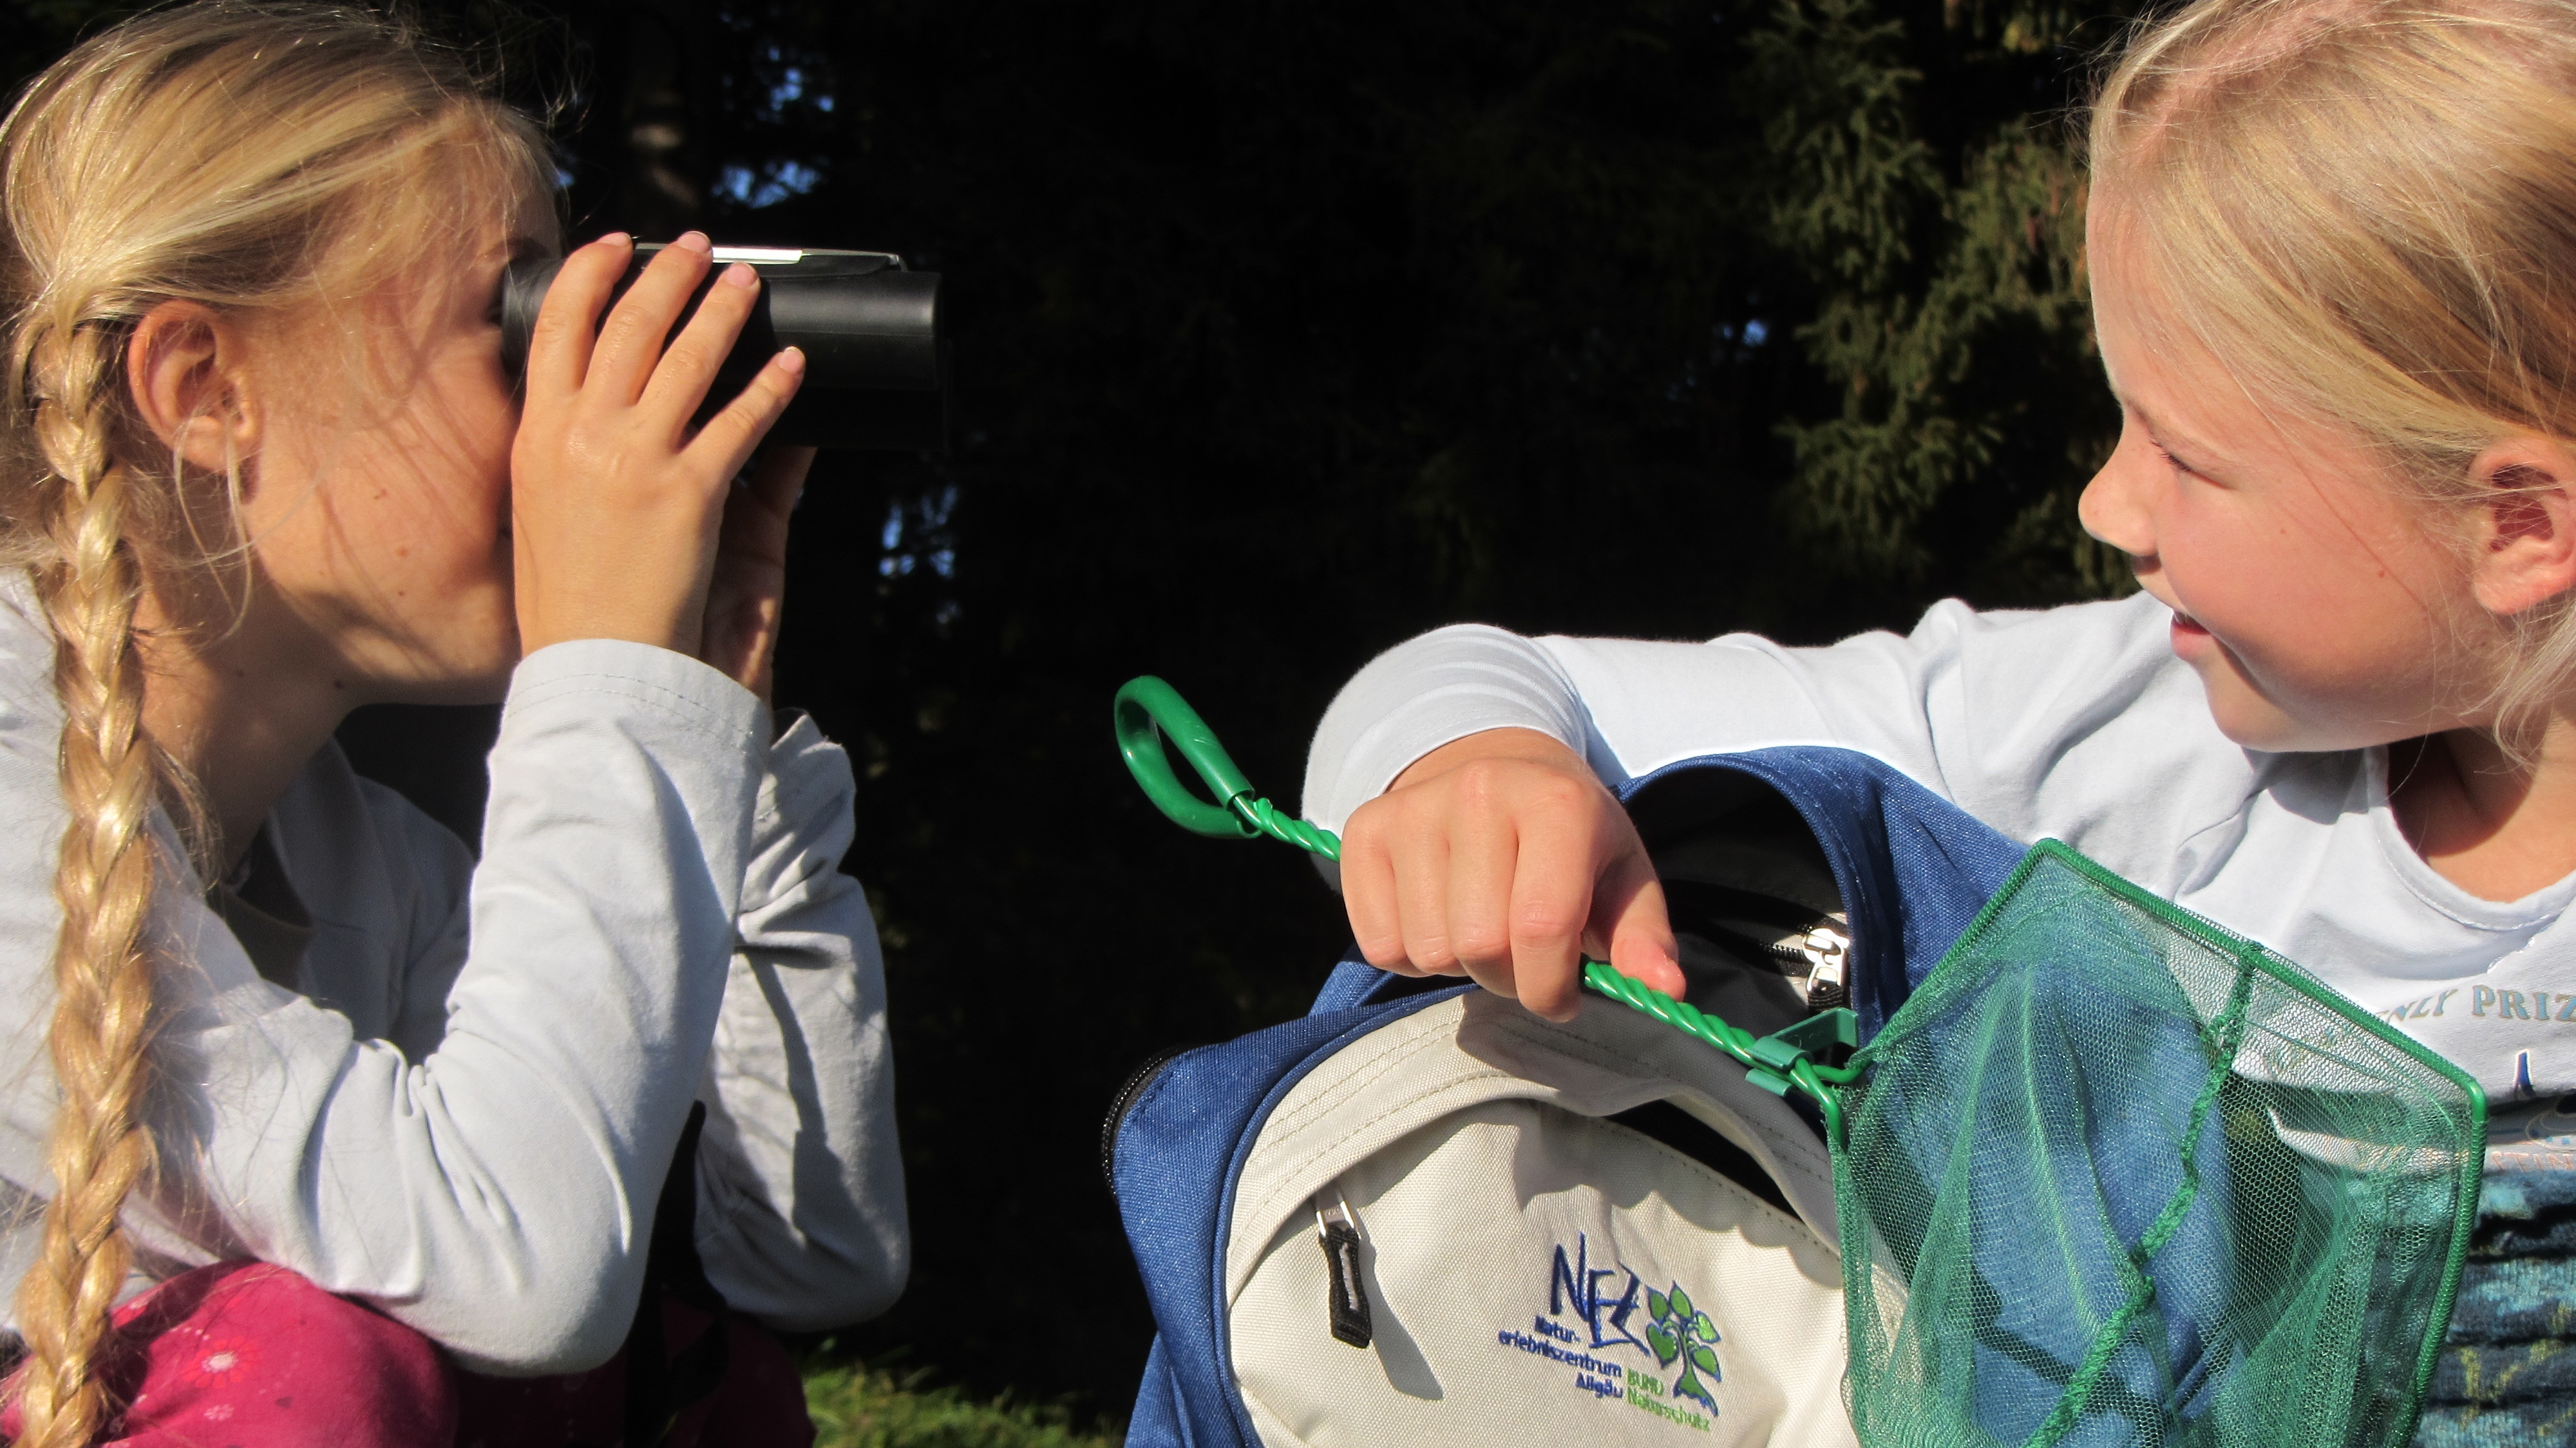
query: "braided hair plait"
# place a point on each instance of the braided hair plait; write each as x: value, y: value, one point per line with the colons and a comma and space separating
x: 272, y: 162
x: 103, y: 980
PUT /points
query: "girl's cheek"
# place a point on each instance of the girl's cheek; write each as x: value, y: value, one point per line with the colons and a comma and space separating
x: 486, y: 410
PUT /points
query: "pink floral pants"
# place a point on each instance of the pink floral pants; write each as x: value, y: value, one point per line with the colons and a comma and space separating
x: 246, y: 1355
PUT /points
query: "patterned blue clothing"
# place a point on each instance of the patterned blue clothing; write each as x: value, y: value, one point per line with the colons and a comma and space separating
x: 2507, y: 1375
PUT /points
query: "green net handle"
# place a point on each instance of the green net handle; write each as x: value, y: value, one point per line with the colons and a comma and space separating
x: 1149, y: 712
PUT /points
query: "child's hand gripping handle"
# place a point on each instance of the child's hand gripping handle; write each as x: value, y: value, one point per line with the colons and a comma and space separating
x: 1149, y: 711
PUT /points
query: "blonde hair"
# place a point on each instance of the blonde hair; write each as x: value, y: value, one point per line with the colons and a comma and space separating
x: 2368, y: 208
x: 262, y: 160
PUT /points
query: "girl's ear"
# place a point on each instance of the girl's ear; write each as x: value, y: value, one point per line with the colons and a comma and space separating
x: 185, y: 368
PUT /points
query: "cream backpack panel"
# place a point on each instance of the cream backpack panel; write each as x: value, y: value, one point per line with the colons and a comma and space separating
x: 1533, y: 1272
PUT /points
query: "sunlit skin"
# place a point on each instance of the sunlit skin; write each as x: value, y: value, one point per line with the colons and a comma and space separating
x: 413, y: 547
x: 2322, y: 606
x: 2318, y: 605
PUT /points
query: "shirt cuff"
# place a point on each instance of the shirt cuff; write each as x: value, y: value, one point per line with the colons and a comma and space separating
x: 700, y: 699
x: 803, y: 823
x: 1432, y: 691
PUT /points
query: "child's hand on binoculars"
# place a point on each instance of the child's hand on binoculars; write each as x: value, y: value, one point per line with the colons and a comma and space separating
x: 1501, y: 857
x: 617, y: 509
x: 750, y: 579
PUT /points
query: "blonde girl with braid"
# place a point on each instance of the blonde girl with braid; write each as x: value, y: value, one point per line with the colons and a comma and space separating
x: 315, y: 1127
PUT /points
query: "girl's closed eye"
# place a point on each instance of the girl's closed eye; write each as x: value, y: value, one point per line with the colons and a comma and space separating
x: 2175, y: 463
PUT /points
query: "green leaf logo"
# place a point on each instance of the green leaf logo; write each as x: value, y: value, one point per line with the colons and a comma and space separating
x: 1680, y: 1301
x: 1706, y: 1361
x: 1658, y: 1306
x: 1703, y: 1329
x: 1666, y: 1346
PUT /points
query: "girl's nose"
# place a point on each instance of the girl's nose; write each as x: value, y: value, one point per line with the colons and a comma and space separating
x: 2112, y: 509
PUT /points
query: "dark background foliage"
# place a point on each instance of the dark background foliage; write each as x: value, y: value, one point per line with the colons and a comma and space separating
x: 1284, y: 332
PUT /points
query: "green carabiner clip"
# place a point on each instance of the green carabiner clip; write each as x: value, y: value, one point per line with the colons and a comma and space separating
x: 1150, y: 711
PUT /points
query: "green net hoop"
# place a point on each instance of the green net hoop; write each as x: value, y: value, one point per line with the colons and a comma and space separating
x: 2115, y: 1176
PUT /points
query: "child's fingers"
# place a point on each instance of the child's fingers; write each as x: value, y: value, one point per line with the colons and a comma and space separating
x: 1552, y: 894
x: 778, y: 479
x: 725, y: 443
x: 759, y: 511
x: 1422, y: 904
x: 1479, y: 896
x: 680, y: 380
x: 630, y: 341
x: 1480, y: 905
x: 1368, y: 892
x: 1629, y: 913
x: 559, y: 346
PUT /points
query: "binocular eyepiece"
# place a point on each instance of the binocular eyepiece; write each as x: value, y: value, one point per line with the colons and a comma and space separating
x: 875, y: 365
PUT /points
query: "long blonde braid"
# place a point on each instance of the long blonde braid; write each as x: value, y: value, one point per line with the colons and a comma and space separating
x: 267, y: 161
x: 102, y: 977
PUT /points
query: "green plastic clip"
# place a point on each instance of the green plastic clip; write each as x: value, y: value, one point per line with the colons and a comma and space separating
x: 1149, y: 711
x: 1779, y: 1053
x: 1813, y: 1036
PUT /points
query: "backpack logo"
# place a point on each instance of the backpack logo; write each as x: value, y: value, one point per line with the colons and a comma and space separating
x: 1594, y: 1310
x: 1681, y: 1332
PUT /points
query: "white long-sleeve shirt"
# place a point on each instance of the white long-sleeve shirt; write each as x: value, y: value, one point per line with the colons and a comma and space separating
x: 462, y: 1107
x: 2076, y: 723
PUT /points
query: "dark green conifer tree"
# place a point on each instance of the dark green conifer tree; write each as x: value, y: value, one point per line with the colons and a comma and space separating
x: 1928, y: 181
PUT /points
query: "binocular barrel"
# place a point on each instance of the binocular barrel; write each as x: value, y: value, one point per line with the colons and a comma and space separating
x: 875, y: 364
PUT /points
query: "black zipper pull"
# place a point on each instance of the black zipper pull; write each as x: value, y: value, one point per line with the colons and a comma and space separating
x: 1349, y: 1307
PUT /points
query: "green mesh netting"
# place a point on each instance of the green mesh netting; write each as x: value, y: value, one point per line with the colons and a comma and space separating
x: 2113, y: 1176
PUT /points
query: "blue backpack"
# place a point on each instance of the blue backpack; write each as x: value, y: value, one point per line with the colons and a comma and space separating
x: 1912, y: 871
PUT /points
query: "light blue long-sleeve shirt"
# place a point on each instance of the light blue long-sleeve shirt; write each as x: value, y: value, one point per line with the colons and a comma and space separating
x: 2077, y: 723
x: 462, y: 1107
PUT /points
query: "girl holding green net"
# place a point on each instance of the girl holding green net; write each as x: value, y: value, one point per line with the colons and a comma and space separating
x: 2333, y: 254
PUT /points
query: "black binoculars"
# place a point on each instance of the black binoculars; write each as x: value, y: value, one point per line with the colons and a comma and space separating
x: 875, y: 365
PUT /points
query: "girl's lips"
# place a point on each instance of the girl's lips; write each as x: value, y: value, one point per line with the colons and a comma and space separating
x: 2190, y: 641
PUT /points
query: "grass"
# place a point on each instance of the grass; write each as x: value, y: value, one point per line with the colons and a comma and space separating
x: 856, y: 1405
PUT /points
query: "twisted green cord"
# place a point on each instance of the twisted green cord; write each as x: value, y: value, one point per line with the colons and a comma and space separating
x: 1266, y: 817
x: 1691, y: 1020
x: 1735, y: 1041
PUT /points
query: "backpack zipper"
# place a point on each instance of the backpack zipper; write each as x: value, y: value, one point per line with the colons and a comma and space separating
x: 1827, y: 950
x: 1347, y: 1308
x: 1819, y: 954
x: 1124, y: 1102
